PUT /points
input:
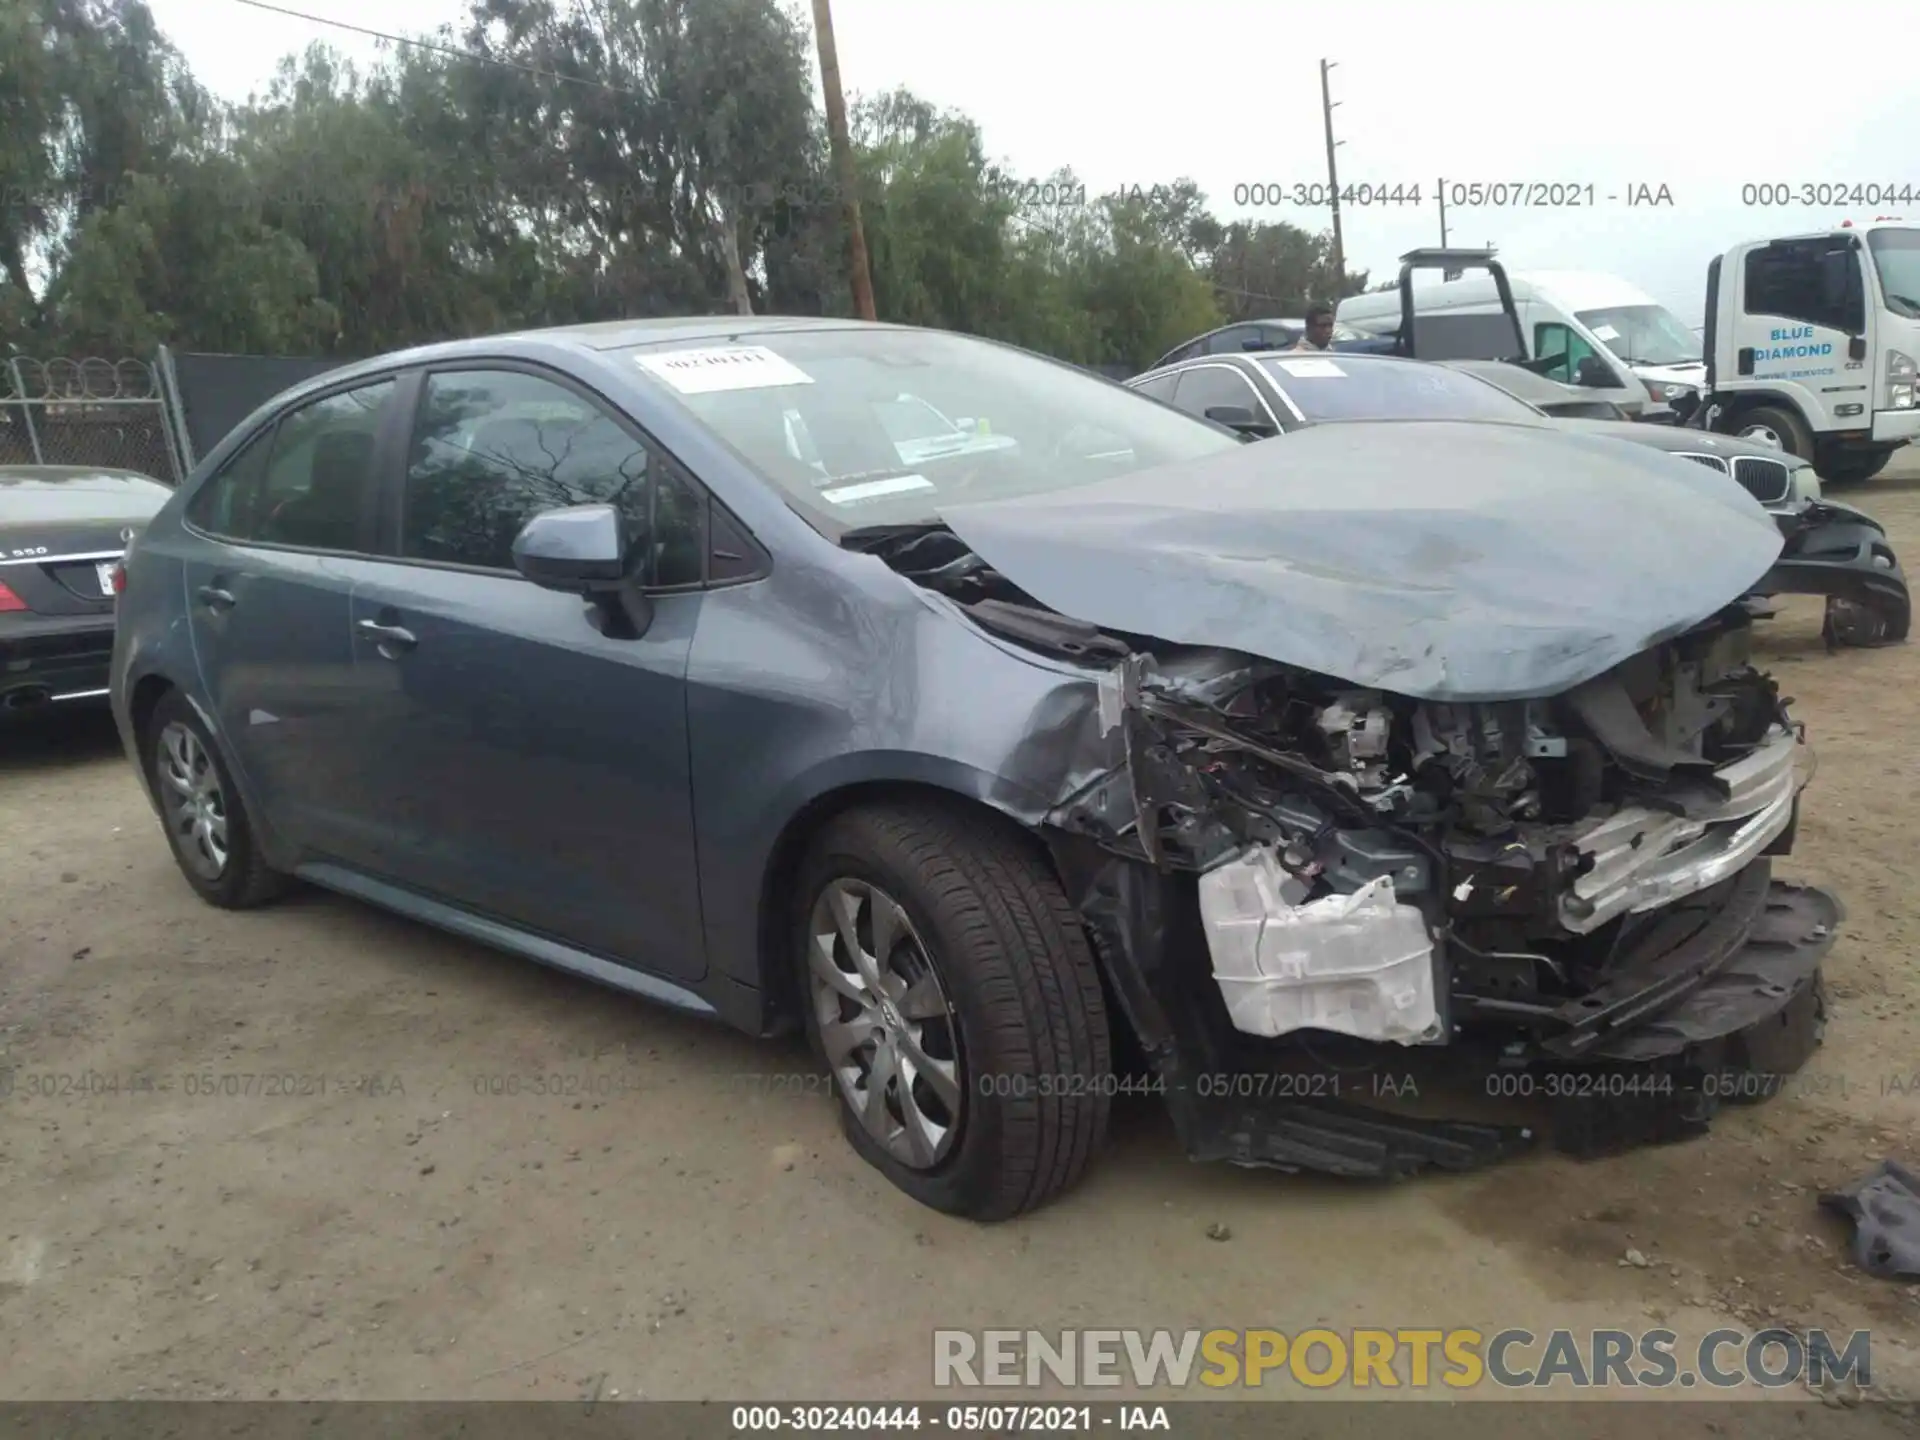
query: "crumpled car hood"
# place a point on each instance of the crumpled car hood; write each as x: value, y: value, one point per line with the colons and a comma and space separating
x: 1441, y: 561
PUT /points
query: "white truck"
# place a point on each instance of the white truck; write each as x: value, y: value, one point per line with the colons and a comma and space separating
x: 1811, y: 344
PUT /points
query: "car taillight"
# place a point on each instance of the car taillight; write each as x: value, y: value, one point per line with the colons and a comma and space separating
x: 117, y: 576
x: 9, y: 600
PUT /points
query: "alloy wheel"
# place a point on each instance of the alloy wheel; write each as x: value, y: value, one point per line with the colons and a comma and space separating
x: 194, y: 801
x: 885, y: 1022
x: 1764, y: 435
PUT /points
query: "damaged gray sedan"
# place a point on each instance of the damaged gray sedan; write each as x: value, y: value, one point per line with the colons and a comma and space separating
x: 1092, y: 752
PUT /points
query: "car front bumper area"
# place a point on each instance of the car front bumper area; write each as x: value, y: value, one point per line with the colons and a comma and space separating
x: 1713, y: 994
x: 53, y: 659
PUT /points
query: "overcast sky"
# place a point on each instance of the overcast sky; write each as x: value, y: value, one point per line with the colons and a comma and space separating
x: 1701, y: 98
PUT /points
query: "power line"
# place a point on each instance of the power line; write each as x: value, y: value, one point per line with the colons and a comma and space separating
x: 452, y: 50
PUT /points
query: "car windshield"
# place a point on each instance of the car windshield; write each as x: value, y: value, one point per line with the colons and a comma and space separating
x: 854, y: 423
x: 908, y: 419
x: 1896, y: 255
x: 1644, y: 334
x: 1354, y: 387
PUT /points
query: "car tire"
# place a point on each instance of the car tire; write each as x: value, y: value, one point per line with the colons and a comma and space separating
x: 1015, y: 1005
x: 1785, y: 425
x: 1853, y: 472
x: 205, y: 820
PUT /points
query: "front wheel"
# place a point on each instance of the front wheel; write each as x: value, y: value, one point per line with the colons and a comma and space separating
x: 951, y: 990
x: 1773, y: 425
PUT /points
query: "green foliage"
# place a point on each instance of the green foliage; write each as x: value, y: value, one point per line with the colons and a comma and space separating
x: 670, y: 160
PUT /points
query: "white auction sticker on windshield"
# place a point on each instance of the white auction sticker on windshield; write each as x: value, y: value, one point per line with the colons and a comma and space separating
x: 1312, y: 369
x: 1606, y: 332
x: 874, y: 489
x: 724, y: 367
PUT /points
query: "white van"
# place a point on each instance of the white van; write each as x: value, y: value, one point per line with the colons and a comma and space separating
x: 1602, y: 333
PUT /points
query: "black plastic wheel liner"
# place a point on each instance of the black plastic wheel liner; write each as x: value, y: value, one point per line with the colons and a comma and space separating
x: 1844, y: 555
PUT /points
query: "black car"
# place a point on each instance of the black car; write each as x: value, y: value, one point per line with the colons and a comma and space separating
x: 1831, y: 550
x: 63, y: 530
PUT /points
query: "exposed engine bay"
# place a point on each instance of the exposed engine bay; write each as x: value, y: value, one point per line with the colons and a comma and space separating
x: 1568, y: 869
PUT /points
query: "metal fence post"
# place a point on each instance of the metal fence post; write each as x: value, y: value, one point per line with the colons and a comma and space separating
x: 26, y: 409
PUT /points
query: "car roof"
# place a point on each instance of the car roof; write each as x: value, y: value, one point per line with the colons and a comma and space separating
x: 586, y: 339
x: 1252, y: 358
x: 604, y: 335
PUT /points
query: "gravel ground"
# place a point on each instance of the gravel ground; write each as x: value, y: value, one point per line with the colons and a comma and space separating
x: 374, y: 1222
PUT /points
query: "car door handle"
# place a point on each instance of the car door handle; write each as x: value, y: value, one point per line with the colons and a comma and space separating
x: 215, y: 598
x: 396, y: 637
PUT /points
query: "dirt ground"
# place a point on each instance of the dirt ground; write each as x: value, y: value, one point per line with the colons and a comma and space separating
x: 686, y: 1221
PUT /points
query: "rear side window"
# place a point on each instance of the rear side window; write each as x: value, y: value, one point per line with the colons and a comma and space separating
x: 493, y: 448
x: 1207, y: 386
x: 225, y: 504
x: 304, y: 482
x: 1160, y: 387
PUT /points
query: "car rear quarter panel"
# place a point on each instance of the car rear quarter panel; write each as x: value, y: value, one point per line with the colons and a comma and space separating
x: 151, y: 640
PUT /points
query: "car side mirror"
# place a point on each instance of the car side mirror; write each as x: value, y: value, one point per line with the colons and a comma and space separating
x: 1240, y: 418
x: 580, y: 549
x: 1593, y: 373
x: 586, y: 550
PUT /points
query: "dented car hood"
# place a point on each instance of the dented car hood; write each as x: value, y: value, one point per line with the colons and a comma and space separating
x: 1441, y: 561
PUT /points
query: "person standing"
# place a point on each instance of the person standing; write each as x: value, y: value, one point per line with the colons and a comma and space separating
x: 1319, y: 336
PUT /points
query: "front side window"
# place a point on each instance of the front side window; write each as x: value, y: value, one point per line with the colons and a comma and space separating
x: 304, y: 482
x: 1816, y: 282
x: 493, y: 448
x: 817, y: 413
x: 1564, y: 346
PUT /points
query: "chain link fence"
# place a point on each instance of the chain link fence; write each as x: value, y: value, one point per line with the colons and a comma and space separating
x: 88, y: 411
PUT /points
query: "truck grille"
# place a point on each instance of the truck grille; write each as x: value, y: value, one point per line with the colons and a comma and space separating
x: 1768, y: 481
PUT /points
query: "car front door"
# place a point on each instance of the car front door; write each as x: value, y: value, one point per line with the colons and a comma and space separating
x: 532, y: 758
x: 279, y: 537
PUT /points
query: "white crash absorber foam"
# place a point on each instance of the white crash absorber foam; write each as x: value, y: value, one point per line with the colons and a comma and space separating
x: 1360, y: 964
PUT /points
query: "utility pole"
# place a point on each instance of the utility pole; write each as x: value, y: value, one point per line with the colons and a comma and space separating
x: 1333, y: 179
x: 842, y: 148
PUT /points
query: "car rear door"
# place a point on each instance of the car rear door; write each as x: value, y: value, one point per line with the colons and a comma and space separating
x: 525, y: 760
x: 275, y: 542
